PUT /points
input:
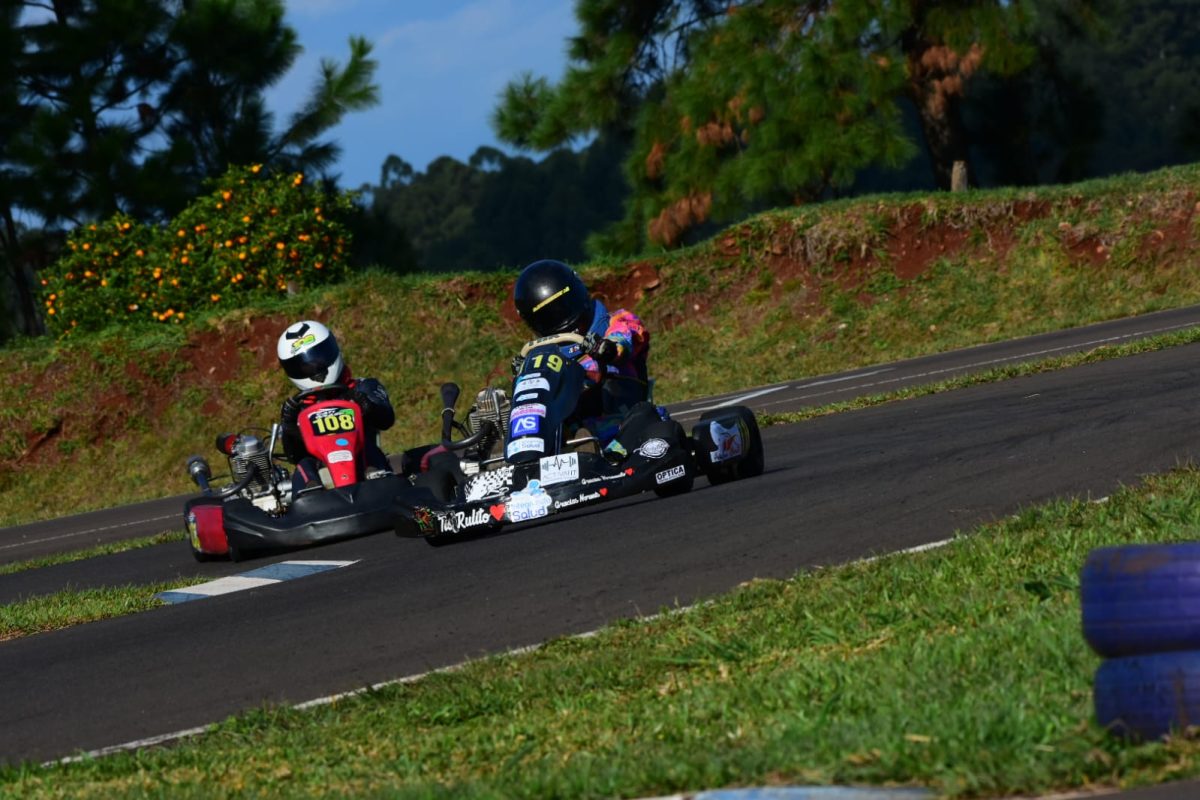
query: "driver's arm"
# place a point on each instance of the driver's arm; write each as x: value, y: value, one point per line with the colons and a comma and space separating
x: 293, y: 442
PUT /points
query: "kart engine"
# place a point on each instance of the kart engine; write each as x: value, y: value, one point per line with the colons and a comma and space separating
x: 491, y: 405
x: 251, y: 456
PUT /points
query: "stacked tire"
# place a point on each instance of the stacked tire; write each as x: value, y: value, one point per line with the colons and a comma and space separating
x: 1141, y: 613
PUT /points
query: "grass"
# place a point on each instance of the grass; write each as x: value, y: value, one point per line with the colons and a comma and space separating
x: 78, y: 606
x: 786, y: 294
x: 961, y: 669
x: 92, y: 552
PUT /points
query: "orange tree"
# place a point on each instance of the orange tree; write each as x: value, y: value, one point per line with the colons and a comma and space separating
x: 252, y: 235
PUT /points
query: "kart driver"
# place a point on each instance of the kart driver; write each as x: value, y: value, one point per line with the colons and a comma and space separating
x: 311, y: 358
x: 552, y: 298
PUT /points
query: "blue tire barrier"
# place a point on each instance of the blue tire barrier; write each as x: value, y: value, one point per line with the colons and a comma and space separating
x: 1148, y: 696
x: 1139, y: 599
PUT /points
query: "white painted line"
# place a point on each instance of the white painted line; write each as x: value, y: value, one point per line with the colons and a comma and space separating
x: 91, y: 530
x: 234, y: 583
x: 845, y: 378
x: 263, y: 576
x: 962, y: 368
x: 739, y: 399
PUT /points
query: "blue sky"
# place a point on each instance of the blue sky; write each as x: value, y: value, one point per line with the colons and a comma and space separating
x: 442, y: 64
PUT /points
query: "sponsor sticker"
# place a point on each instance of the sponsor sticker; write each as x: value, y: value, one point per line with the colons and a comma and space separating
x: 560, y: 469
x: 337, y: 456
x: 526, y: 445
x: 490, y: 483
x: 462, y: 520
x: 668, y: 475
x: 524, y: 398
x: 529, y: 503
x: 193, y: 533
x: 526, y: 424
x: 529, y: 409
x: 527, y: 384
x: 423, y: 516
x: 574, y: 501
x: 653, y: 448
x: 727, y: 440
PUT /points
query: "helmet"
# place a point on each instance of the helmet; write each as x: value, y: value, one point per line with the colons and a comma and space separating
x: 552, y: 298
x: 310, y: 355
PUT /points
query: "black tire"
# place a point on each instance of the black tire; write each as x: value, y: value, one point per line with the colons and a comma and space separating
x: 204, y: 558
x: 1148, y: 696
x: 235, y: 553
x: 1139, y: 599
x: 749, y: 466
x: 443, y: 483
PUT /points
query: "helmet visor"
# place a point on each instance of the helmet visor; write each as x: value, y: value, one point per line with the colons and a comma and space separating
x: 313, y: 363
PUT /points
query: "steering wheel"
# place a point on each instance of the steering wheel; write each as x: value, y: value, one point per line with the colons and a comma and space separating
x: 554, y: 338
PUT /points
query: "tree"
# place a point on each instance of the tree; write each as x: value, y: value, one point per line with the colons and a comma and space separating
x: 736, y: 104
x: 493, y: 211
x: 129, y: 105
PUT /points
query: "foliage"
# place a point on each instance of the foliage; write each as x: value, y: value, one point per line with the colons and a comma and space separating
x: 129, y: 106
x: 740, y: 106
x: 252, y: 235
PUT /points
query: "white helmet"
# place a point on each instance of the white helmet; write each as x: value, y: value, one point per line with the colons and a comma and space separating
x: 310, y: 355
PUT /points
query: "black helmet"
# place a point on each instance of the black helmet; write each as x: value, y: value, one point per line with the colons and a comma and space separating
x: 552, y: 298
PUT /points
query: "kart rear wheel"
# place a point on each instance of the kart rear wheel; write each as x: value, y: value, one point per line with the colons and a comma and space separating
x: 750, y: 465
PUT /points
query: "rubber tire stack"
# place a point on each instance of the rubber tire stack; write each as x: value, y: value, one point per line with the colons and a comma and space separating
x: 1141, y: 613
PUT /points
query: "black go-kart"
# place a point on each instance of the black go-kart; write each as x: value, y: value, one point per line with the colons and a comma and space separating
x: 258, y: 512
x: 515, y: 463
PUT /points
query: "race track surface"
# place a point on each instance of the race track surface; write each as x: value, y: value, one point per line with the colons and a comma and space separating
x: 836, y: 488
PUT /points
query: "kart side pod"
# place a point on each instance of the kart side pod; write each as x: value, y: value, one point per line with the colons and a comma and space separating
x: 728, y: 445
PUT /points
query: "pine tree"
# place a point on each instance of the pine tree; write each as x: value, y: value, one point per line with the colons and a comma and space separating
x: 737, y: 105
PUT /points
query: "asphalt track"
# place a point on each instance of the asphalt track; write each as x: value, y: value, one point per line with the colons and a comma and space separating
x: 836, y: 488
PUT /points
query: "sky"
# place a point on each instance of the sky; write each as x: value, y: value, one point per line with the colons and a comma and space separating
x: 442, y: 66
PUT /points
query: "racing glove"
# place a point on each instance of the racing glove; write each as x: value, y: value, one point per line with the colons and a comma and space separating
x: 518, y: 364
x: 289, y: 413
x: 375, y: 403
x: 605, y: 351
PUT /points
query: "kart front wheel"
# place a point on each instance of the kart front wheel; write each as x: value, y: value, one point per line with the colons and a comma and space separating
x: 751, y: 461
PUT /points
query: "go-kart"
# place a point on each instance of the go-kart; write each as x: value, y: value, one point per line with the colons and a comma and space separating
x: 259, y: 511
x: 516, y: 463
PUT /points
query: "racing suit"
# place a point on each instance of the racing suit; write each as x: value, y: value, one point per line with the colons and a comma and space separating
x: 613, y: 387
x: 378, y: 415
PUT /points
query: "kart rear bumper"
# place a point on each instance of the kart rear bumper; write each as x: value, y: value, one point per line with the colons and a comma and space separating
x: 317, y: 516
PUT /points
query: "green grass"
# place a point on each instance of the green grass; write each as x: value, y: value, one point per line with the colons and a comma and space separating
x: 92, y: 552
x: 77, y: 606
x: 961, y: 669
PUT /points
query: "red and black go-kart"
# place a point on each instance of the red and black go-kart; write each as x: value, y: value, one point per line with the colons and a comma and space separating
x: 258, y: 511
x: 514, y: 464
